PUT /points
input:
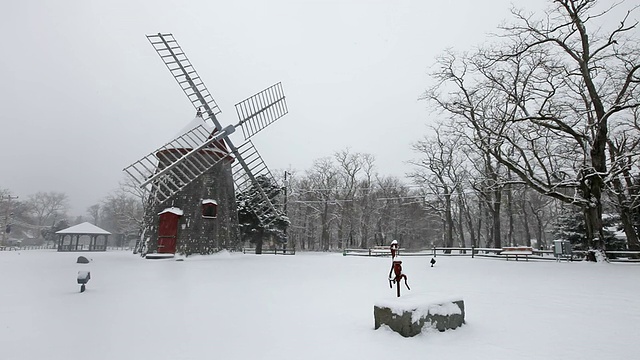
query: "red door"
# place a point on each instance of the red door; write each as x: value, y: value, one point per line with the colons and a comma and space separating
x: 168, y: 232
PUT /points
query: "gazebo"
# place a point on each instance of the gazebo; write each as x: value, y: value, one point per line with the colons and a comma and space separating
x: 82, y: 231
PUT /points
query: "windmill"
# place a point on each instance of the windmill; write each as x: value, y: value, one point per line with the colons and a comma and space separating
x: 190, y: 180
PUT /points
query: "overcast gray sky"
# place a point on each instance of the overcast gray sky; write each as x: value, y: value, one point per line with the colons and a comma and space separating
x: 83, y: 94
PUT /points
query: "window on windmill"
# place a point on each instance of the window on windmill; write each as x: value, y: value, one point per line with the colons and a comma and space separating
x: 209, y: 209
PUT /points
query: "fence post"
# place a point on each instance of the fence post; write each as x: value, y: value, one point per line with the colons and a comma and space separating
x: 473, y: 251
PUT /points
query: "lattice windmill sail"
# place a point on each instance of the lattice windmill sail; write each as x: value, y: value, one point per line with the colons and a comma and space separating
x: 169, y: 169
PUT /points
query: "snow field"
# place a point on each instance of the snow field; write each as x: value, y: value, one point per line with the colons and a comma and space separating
x: 308, y: 306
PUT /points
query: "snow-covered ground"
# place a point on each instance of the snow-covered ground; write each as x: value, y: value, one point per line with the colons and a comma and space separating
x: 308, y: 306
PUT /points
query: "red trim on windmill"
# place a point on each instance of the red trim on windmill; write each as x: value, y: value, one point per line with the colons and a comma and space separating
x: 221, y: 146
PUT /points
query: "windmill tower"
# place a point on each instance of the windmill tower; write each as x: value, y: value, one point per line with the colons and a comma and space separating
x: 191, y: 181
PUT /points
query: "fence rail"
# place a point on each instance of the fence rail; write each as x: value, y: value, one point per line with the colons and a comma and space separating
x: 274, y: 251
x: 614, y: 256
x: 54, y: 247
x: 27, y: 247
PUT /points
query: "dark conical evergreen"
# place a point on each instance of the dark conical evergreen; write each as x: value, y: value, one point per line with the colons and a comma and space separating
x: 249, y: 202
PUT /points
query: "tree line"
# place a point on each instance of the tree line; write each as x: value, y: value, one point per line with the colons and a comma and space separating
x: 35, y: 219
x: 534, y: 128
x: 551, y: 108
x: 534, y: 136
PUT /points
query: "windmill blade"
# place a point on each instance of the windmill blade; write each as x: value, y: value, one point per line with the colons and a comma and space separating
x: 261, y: 110
x: 173, y: 166
x: 258, y: 112
x: 246, y: 172
x: 185, y: 74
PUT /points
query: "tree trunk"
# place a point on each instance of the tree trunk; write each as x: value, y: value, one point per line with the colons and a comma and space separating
x: 525, y: 224
x: 448, y: 240
x: 633, y: 241
x: 324, y: 241
x: 259, y: 245
x: 461, y: 222
x: 364, y: 243
x: 496, y: 228
x: 629, y: 230
x: 622, y: 200
x: 510, y: 213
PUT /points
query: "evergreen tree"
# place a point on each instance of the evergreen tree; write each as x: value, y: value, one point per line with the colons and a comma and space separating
x: 570, y: 225
x: 250, y: 203
x: 49, y: 234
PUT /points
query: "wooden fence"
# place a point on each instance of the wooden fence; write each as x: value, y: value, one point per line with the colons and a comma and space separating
x: 274, y: 251
x: 473, y: 252
x: 27, y: 247
x: 54, y: 247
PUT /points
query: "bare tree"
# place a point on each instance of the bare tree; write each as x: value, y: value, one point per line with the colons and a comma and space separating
x: 323, y: 177
x: 543, y: 101
x: 349, y: 167
x: 123, y: 210
x: 623, y: 146
x: 94, y: 212
x: 439, y: 171
x: 47, y: 207
x: 366, y: 201
x: 592, y: 79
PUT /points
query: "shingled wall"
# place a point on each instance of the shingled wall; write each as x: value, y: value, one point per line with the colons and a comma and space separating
x: 198, y: 235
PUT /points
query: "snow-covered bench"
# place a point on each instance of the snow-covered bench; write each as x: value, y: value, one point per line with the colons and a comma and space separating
x: 517, y: 251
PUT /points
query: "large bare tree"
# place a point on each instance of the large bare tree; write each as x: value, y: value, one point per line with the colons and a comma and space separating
x: 48, y: 207
x: 439, y: 170
x: 542, y: 101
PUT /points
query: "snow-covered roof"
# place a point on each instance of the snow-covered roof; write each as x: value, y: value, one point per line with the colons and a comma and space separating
x: 84, y: 228
x: 190, y: 142
x: 209, y: 201
x: 196, y: 138
x: 198, y: 120
x: 173, y: 210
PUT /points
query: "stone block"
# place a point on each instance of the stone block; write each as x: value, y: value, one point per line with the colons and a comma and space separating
x: 411, y: 315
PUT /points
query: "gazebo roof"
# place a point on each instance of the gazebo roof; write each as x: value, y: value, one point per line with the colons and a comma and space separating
x: 85, y: 228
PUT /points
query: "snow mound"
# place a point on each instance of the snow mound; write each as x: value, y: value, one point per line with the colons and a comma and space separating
x: 223, y: 254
